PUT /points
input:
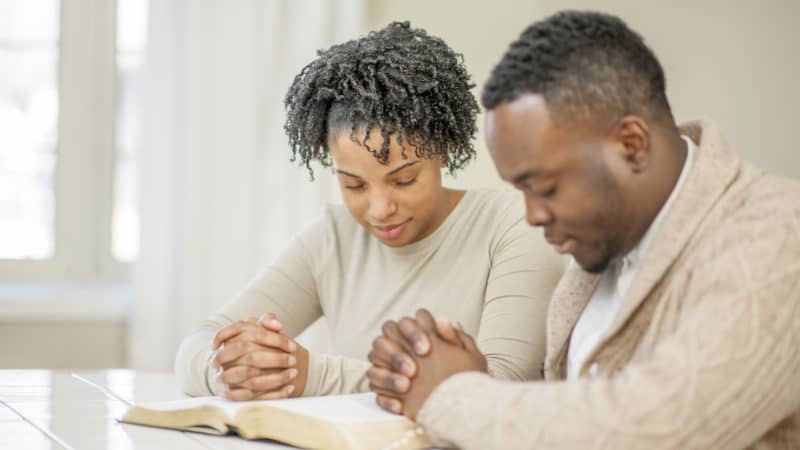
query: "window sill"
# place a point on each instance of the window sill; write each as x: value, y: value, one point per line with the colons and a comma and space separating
x: 32, y: 302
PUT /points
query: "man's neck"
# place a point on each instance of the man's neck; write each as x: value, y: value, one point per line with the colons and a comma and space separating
x: 668, y: 162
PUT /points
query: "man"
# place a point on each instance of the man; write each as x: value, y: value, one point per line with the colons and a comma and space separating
x: 677, y: 325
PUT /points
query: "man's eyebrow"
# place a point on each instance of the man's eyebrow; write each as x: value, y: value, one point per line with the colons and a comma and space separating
x: 408, y: 164
x: 525, y: 175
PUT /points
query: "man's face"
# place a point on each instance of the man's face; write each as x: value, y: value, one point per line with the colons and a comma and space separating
x: 567, y: 175
x: 400, y: 202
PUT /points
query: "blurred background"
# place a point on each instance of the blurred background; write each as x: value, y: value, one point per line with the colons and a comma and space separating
x: 144, y: 174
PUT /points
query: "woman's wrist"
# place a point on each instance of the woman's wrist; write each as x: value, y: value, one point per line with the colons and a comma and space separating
x: 299, y: 382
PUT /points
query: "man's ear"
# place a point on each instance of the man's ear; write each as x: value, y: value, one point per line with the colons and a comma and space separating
x: 632, y: 136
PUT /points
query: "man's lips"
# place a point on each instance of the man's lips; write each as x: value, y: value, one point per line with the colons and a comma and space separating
x: 563, y: 245
x: 391, y: 231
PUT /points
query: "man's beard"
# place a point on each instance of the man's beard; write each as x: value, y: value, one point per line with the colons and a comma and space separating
x: 608, y: 248
x: 609, y: 218
x: 598, y: 267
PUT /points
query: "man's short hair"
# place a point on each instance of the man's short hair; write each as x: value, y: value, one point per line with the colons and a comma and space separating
x: 587, y: 65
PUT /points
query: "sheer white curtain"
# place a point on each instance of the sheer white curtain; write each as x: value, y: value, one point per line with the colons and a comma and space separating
x: 219, y: 198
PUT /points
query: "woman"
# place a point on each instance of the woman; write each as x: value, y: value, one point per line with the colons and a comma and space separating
x: 388, y: 112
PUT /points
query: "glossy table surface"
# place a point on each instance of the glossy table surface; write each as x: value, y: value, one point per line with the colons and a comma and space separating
x: 41, y: 409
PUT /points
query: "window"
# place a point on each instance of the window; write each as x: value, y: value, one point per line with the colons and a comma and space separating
x: 131, y: 41
x: 69, y: 83
x: 29, y: 33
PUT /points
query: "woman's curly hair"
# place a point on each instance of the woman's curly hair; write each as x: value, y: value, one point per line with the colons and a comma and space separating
x: 410, y: 85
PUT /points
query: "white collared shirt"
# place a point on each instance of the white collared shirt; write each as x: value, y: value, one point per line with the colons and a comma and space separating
x: 613, y: 285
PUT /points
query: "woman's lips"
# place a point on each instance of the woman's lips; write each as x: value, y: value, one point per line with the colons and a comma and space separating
x: 391, y: 231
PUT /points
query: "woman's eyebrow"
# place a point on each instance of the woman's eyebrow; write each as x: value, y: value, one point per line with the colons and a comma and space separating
x: 398, y: 169
x: 347, y: 173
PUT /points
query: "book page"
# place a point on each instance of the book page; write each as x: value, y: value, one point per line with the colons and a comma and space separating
x: 352, y: 421
x: 228, y: 406
x: 335, y: 408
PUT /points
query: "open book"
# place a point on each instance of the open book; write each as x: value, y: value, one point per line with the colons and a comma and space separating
x: 339, y: 421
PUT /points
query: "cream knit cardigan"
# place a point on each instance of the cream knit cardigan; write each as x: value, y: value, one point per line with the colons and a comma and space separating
x: 704, y: 352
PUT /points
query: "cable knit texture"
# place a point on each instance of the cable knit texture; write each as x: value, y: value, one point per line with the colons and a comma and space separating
x: 703, y: 354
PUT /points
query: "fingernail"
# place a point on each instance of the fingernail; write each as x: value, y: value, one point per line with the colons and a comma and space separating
x: 274, y: 323
x: 290, y: 389
x: 292, y: 346
x: 420, y: 347
x: 401, y: 384
x: 407, y: 368
x: 396, y: 407
x: 292, y: 360
x: 292, y: 373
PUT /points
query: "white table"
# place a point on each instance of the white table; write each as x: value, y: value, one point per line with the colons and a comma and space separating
x: 41, y: 409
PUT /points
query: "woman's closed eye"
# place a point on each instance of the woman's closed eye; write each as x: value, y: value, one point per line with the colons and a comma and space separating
x: 405, y: 182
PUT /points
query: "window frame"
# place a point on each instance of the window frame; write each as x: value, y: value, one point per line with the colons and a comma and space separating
x: 85, y: 152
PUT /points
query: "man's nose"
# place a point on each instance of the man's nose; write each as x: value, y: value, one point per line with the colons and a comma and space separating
x: 536, y: 214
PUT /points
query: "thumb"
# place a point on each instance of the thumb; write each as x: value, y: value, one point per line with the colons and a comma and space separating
x: 469, y: 341
x: 270, y: 322
x: 447, y: 331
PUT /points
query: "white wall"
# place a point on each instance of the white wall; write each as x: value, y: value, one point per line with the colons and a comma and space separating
x: 62, y: 344
x: 738, y: 64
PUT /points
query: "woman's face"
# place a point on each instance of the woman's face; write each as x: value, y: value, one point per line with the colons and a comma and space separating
x: 399, y: 202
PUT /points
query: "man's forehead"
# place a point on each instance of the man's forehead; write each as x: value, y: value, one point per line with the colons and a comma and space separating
x: 525, y: 106
x: 523, y: 118
x: 519, y: 135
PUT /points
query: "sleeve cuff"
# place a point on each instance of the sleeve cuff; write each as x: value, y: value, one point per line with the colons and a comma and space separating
x: 438, y: 414
x: 213, y: 386
x: 316, y: 369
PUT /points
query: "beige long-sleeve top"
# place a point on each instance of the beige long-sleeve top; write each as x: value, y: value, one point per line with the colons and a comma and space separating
x: 703, y: 353
x: 483, y: 266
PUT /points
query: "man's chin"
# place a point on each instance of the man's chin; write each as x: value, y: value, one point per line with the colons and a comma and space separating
x: 594, y: 267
